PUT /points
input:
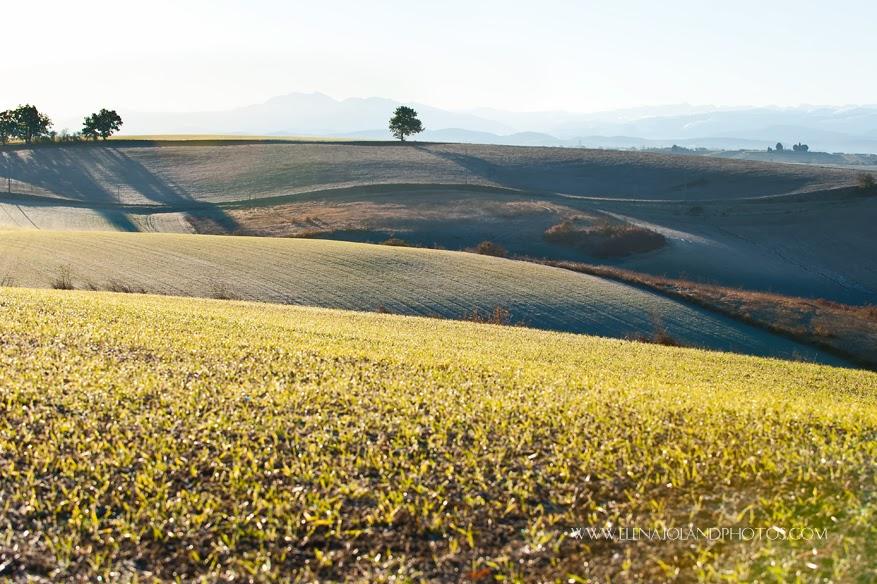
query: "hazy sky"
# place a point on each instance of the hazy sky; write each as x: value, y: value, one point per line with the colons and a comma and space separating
x: 68, y: 57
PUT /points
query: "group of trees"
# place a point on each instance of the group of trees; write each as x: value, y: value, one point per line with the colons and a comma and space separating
x: 799, y: 147
x: 27, y: 124
x: 23, y: 123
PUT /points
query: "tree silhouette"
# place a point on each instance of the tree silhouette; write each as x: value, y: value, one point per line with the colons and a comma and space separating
x: 30, y: 123
x: 404, y: 123
x: 104, y: 124
x: 8, y: 126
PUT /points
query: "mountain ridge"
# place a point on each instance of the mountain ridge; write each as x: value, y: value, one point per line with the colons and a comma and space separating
x: 825, y: 128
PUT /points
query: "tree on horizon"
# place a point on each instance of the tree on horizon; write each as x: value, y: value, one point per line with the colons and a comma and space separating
x: 104, y: 124
x: 8, y: 126
x: 404, y: 123
x: 28, y: 123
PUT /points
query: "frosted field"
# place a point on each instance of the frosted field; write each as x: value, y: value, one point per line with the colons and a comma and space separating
x: 174, y: 174
x: 793, y: 229
x: 369, y: 277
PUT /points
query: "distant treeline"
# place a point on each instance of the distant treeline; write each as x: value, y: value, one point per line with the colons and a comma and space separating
x: 799, y: 147
x: 29, y: 125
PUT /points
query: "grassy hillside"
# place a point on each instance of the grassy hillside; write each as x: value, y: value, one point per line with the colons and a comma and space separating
x: 179, y: 173
x: 795, y: 229
x: 369, y: 277
x: 173, y: 438
x: 842, y: 328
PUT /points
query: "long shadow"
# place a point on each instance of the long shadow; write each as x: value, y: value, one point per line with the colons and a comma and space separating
x: 628, y: 174
x: 57, y: 171
x: 475, y: 166
x: 73, y: 172
x: 157, y: 189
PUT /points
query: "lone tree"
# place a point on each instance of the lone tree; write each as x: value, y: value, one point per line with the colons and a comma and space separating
x: 404, y: 122
x: 104, y: 124
x: 30, y: 123
x: 780, y: 147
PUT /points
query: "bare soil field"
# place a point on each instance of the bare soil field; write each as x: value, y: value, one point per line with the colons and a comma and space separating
x: 372, y: 278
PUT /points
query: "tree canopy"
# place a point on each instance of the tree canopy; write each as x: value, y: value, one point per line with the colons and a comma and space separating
x: 8, y: 126
x: 104, y: 124
x: 404, y: 123
x: 24, y: 122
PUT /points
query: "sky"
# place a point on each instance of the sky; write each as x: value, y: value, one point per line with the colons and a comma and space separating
x: 158, y: 55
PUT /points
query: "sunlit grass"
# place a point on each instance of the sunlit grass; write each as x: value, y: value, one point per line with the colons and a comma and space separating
x: 177, y: 438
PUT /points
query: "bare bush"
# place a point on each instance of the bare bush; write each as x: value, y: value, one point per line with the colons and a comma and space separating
x: 123, y: 288
x: 659, y: 335
x: 396, y: 242
x: 866, y: 181
x: 490, y: 248
x: 221, y: 291
x: 63, y: 280
x: 499, y: 315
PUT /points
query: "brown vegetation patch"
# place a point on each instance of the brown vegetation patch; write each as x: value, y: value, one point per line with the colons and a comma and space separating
x: 499, y: 315
x: 490, y: 248
x: 395, y: 242
x: 605, y: 239
x: 848, y: 331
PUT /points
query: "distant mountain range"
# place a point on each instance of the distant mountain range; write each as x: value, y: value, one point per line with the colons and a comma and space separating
x: 833, y: 129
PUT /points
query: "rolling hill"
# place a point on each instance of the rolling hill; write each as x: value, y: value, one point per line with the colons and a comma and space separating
x: 151, y: 438
x: 177, y: 173
x: 794, y: 229
x: 370, y: 277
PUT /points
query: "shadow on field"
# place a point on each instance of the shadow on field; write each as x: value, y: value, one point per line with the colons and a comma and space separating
x: 623, y: 175
x: 96, y: 175
x: 58, y: 171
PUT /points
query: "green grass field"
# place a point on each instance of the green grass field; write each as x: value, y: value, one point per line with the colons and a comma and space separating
x: 163, y: 438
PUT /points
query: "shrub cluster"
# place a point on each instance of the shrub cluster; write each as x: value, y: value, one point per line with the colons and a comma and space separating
x: 490, y: 248
x: 606, y: 239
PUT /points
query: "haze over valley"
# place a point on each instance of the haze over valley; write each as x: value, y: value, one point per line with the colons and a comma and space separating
x: 851, y: 129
